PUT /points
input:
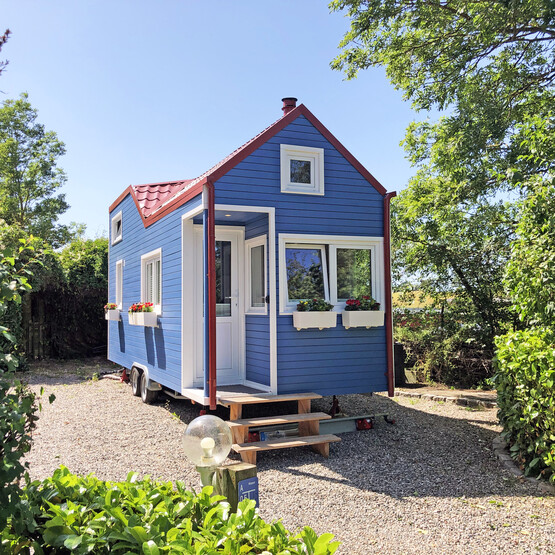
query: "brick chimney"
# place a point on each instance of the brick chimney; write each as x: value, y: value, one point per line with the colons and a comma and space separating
x: 289, y: 103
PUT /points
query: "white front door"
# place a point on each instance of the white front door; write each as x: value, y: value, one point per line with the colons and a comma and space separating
x: 229, y: 300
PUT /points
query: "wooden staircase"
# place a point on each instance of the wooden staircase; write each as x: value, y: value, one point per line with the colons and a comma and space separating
x: 309, y: 424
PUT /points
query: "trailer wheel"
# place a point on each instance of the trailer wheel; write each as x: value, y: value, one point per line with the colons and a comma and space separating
x: 147, y: 395
x: 135, y: 382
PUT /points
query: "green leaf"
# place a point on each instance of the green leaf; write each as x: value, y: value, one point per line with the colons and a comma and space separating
x: 150, y: 548
x: 72, y: 542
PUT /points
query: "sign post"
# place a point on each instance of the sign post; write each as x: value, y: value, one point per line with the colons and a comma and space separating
x: 237, y: 482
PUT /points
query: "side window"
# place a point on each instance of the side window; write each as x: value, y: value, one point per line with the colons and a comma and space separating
x: 151, y: 279
x: 354, y: 273
x: 256, y: 275
x: 306, y: 271
x: 302, y: 170
x: 117, y: 228
x: 334, y: 268
x: 119, y: 284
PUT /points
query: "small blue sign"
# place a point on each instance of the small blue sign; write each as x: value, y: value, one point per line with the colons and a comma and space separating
x: 248, y: 489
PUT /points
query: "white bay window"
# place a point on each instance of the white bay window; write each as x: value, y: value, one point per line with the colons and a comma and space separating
x: 329, y: 267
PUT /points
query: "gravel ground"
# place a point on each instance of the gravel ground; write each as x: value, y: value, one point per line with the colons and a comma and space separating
x: 428, y: 484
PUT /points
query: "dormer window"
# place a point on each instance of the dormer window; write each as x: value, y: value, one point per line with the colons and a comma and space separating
x: 117, y: 231
x: 302, y: 170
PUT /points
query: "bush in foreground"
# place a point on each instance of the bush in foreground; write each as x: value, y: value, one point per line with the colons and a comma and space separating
x: 76, y: 514
x: 526, y: 397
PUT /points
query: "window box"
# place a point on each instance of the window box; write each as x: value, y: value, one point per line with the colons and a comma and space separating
x: 147, y: 319
x: 113, y: 314
x: 362, y: 318
x: 320, y: 320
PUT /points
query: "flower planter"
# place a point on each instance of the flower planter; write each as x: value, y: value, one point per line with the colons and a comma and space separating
x: 362, y: 318
x: 320, y: 320
x: 148, y: 319
x: 112, y: 314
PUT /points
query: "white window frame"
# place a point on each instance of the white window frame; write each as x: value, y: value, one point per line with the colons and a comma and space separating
x: 117, y: 237
x: 147, y: 258
x: 250, y: 244
x: 333, y: 242
x: 119, y: 284
x: 309, y: 154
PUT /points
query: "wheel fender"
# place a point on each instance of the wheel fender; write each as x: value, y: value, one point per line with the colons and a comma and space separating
x: 152, y: 385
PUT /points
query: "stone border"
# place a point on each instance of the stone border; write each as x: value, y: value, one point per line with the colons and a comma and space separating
x: 501, y: 451
x: 463, y: 401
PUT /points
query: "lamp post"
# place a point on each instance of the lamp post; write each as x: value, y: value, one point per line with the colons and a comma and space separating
x: 207, y: 443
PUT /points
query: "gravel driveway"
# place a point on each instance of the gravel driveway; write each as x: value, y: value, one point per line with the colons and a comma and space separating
x: 428, y: 484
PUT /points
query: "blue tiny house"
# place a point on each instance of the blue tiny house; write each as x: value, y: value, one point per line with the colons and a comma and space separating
x: 225, y: 258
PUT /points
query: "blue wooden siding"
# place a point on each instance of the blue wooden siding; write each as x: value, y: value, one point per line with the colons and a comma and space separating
x: 334, y: 361
x: 257, y: 326
x: 157, y: 348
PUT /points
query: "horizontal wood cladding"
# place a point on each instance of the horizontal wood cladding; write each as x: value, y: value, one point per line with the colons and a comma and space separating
x: 327, y: 361
x: 350, y: 204
x: 157, y: 348
x: 330, y: 361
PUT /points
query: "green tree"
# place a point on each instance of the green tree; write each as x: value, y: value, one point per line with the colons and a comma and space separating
x: 487, y: 64
x: 29, y: 175
x: 487, y: 67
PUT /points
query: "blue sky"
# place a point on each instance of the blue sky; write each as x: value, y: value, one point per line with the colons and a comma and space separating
x: 144, y: 91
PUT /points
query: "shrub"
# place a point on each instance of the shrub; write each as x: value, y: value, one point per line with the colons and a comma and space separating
x: 525, y: 378
x: 17, y: 420
x: 441, y: 346
x: 87, y: 515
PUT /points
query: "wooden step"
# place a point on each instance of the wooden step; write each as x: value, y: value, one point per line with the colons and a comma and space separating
x: 309, y: 424
x: 277, y: 420
x: 235, y: 402
x: 234, y: 399
x: 319, y: 443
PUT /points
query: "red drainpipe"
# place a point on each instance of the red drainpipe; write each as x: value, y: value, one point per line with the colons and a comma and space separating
x: 211, y: 295
x: 388, y: 304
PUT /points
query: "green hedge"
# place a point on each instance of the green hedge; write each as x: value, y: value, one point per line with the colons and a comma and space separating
x: 86, y: 515
x: 526, y: 397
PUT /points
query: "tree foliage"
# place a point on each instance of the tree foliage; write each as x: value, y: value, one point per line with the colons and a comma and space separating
x: 3, y: 41
x: 488, y: 69
x: 487, y: 64
x: 29, y: 175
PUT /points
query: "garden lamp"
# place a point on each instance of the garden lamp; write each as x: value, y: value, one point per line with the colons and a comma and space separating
x: 207, y: 443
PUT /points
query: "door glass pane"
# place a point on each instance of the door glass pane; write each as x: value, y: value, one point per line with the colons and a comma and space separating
x: 223, y: 278
x: 354, y: 273
x: 257, y: 277
x: 305, y: 275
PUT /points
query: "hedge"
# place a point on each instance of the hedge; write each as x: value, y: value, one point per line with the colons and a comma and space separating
x: 525, y: 378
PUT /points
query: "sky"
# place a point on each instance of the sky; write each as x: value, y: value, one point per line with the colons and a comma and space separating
x: 142, y: 91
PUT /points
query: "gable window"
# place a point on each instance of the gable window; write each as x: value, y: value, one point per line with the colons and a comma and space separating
x: 151, y: 279
x: 256, y: 275
x: 329, y: 267
x: 119, y: 284
x: 302, y: 170
x: 116, y: 228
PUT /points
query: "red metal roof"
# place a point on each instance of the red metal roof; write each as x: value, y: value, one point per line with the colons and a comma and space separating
x: 155, y: 200
x: 151, y: 195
